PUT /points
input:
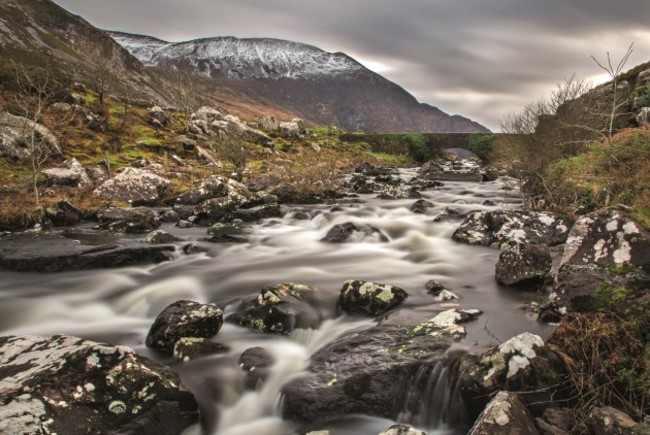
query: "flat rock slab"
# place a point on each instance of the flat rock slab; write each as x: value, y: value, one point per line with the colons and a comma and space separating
x: 44, y: 252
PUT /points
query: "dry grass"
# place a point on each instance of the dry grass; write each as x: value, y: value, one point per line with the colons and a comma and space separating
x: 607, y: 360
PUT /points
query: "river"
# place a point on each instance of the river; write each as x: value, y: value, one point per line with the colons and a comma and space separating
x: 119, y: 305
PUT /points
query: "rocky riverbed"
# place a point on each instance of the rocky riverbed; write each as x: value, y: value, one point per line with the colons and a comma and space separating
x: 349, y: 316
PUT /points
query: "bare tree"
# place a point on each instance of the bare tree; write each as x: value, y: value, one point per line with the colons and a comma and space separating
x: 103, y: 74
x: 37, y: 89
x: 614, y: 72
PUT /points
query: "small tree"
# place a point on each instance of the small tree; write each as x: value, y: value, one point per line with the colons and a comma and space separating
x: 37, y: 88
x: 103, y: 74
x: 614, y: 73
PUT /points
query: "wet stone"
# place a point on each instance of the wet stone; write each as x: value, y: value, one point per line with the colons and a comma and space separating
x: 369, y: 298
x: 184, y: 319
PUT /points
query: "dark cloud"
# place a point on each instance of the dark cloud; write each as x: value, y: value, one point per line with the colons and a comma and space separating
x: 482, y: 59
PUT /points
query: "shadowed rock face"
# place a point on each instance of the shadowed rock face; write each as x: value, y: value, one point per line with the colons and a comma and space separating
x: 68, y: 385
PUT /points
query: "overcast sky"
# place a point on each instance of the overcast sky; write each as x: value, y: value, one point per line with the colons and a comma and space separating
x: 479, y: 58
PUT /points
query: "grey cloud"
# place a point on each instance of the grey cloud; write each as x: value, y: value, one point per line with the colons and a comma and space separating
x: 478, y: 58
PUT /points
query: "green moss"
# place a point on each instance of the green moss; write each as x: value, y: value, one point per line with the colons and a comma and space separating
x: 620, y: 269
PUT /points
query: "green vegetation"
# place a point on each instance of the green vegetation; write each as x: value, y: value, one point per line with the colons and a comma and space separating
x: 481, y: 144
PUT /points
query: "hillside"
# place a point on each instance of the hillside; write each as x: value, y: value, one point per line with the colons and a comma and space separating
x: 322, y: 87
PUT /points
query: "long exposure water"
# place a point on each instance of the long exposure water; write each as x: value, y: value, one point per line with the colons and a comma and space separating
x: 119, y: 305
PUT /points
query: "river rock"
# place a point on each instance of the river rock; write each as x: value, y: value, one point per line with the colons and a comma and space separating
x: 215, y: 210
x: 363, y: 372
x: 128, y: 220
x: 255, y: 362
x: 523, y: 264
x: 369, y: 298
x: 520, y: 364
x: 160, y: 236
x: 32, y: 252
x: 504, y: 415
x: 402, y: 429
x: 398, y: 192
x: 170, y: 217
x: 420, y: 206
x: 359, y: 183
x: 63, y: 213
x: 604, y: 247
x: 350, y: 232
x: 135, y: 186
x: 606, y: 420
x: 452, y: 170
x: 226, y: 233
x: 502, y: 229
x: 68, y: 385
x: 252, y: 214
x: 15, y: 138
x: 184, y: 319
x: 280, y: 309
x: 189, y: 348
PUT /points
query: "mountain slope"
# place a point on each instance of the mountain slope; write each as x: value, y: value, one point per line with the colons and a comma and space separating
x: 325, y: 88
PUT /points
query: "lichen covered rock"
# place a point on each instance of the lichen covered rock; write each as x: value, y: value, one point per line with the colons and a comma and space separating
x: 184, y: 319
x: 189, y: 348
x: 604, y: 247
x: 402, y: 429
x: 369, y: 298
x: 65, y: 384
x: 522, y: 363
x: 135, y: 186
x: 280, y: 309
x: 128, y: 220
x: 504, y: 415
x: 502, y: 229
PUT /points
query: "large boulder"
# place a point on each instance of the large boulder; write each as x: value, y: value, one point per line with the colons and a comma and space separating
x: 402, y: 429
x: 350, y: 232
x: 69, y: 385
x: 135, y: 186
x: 16, y: 135
x: 289, y: 130
x: 280, y: 309
x: 184, y: 319
x: 523, y: 264
x: 502, y: 229
x: 364, y: 372
x: 398, y: 192
x: 269, y: 123
x: 505, y: 415
x: 369, y: 298
x: 245, y: 132
x: 522, y: 364
x: 604, y: 247
x: 208, y: 114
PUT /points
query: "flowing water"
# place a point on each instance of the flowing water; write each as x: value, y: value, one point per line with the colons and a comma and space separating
x: 119, y: 305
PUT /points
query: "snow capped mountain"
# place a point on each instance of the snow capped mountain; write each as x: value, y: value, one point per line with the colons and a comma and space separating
x: 321, y: 87
x: 229, y: 57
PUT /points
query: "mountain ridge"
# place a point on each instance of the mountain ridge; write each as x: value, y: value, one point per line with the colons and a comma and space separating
x: 322, y: 87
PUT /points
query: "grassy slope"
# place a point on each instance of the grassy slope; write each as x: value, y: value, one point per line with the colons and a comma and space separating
x: 128, y: 137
